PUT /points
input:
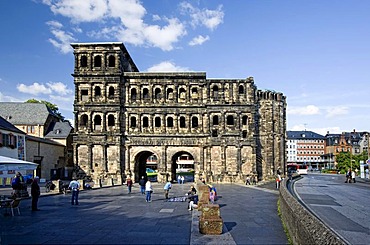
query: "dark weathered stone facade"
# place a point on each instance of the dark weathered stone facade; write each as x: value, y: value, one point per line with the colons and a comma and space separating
x: 122, y: 116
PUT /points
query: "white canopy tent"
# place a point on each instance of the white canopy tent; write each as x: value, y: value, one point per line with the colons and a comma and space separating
x: 7, y: 163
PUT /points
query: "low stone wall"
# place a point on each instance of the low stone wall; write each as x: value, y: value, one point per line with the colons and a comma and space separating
x: 303, y: 227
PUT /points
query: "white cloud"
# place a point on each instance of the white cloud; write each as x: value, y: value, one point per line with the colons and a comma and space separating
x: 6, y: 98
x: 124, y: 20
x: 35, y: 89
x: 199, y: 40
x: 49, y: 88
x: 59, y: 88
x: 305, y: 110
x: 54, y: 24
x: 62, y: 39
x: 167, y: 66
x: 336, y: 111
x: 79, y: 11
x: 164, y: 37
x: 156, y: 17
x: 203, y: 17
x: 126, y: 23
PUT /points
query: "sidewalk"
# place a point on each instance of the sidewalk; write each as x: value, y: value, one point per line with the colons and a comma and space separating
x: 111, y: 216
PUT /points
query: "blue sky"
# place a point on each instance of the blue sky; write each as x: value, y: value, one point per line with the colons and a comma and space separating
x: 315, y: 52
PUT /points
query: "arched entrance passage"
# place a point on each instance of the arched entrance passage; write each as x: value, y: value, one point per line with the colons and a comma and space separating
x: 183, y: 165
x: 141, y: 161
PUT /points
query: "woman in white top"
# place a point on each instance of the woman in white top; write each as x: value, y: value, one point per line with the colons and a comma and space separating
x: 353, y: 176
x: 148, y: 190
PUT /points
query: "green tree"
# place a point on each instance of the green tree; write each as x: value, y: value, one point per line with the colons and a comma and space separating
x: 53, y: 107
x: 344, y: 160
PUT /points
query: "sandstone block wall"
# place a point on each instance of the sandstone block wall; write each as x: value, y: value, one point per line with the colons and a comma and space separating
x: 303, y: 227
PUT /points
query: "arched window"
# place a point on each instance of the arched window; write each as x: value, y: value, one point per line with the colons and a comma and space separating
x: 133, y: 122
x: 214, y: 133
x: 97, y: 122
x: 157, y: 93
x: 145, y: 94
x: 111, y: 120
x: 157, y: 122
x: 230, y: 120
x: 182, y: 93
x: 97, y: 91
x: 84, y: 95
x: 170, y: 122
x: 170, y: 93
x: 97, y: 61
x: 83, y: 61
x: 194, y: 93
x: 244, y: 120
x: 111, y: 92
x: 245, y: 134
x: 133, y: 94
x: 194, y: 122
x: 215, y: 92
x: 215, y: 120
x: 241, y: 89
x: 84, y: 119
x: 111, y: 61
x: 182, y: 122
x: 145, y: 122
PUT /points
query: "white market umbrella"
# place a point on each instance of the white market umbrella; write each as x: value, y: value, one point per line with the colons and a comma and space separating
x: 8, y: 163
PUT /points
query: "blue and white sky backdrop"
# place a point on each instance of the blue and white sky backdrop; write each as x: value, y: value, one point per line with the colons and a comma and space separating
x: 316, y: 52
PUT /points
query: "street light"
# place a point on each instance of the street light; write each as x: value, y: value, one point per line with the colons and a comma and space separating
x: 351, y: 163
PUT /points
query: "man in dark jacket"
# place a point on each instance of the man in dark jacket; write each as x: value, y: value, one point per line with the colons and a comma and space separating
x: 35, y: 193
x: 142, y: 183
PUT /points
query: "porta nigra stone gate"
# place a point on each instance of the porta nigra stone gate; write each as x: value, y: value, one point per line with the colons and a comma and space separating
x: 228, y: 127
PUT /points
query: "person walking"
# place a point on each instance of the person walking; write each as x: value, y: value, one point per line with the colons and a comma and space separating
x: 75, y: 186
x: 348, y: 176
x: 129, y: 185
x: 278, y: 180
x: 17, y: 184
x: 167, y: 188
x: 179, y: 179
x: 149, y: 191
x: 182, y: 179
x: 248, y: 180
x: 353, y: 176
x: 35, y: 193
x: 142, y: 183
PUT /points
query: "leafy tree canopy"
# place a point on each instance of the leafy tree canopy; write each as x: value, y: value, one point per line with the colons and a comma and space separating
x: 53, y: 107
x: 344, y: 160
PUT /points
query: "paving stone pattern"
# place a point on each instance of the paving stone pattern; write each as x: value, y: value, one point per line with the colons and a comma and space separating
x: 111, y: 216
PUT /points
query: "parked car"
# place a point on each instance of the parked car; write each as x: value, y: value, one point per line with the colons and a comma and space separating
x: 151, y: 172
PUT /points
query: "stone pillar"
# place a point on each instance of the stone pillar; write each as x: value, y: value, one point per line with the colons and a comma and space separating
x: 210, y: 221
x: 203, y: 194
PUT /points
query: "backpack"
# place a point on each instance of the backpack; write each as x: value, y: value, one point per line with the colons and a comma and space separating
x: 15, y: 183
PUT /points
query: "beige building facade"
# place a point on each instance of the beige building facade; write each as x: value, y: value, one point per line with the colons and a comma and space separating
x: 228, y: 127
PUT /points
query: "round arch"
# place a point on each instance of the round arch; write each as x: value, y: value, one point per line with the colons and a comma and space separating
x: 141, y: 164
x: 182, y: 163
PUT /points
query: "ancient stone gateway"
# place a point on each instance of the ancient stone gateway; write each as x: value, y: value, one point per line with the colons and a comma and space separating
x: 127, y: 121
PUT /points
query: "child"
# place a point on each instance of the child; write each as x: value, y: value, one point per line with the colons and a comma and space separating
x: 212, y: 196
